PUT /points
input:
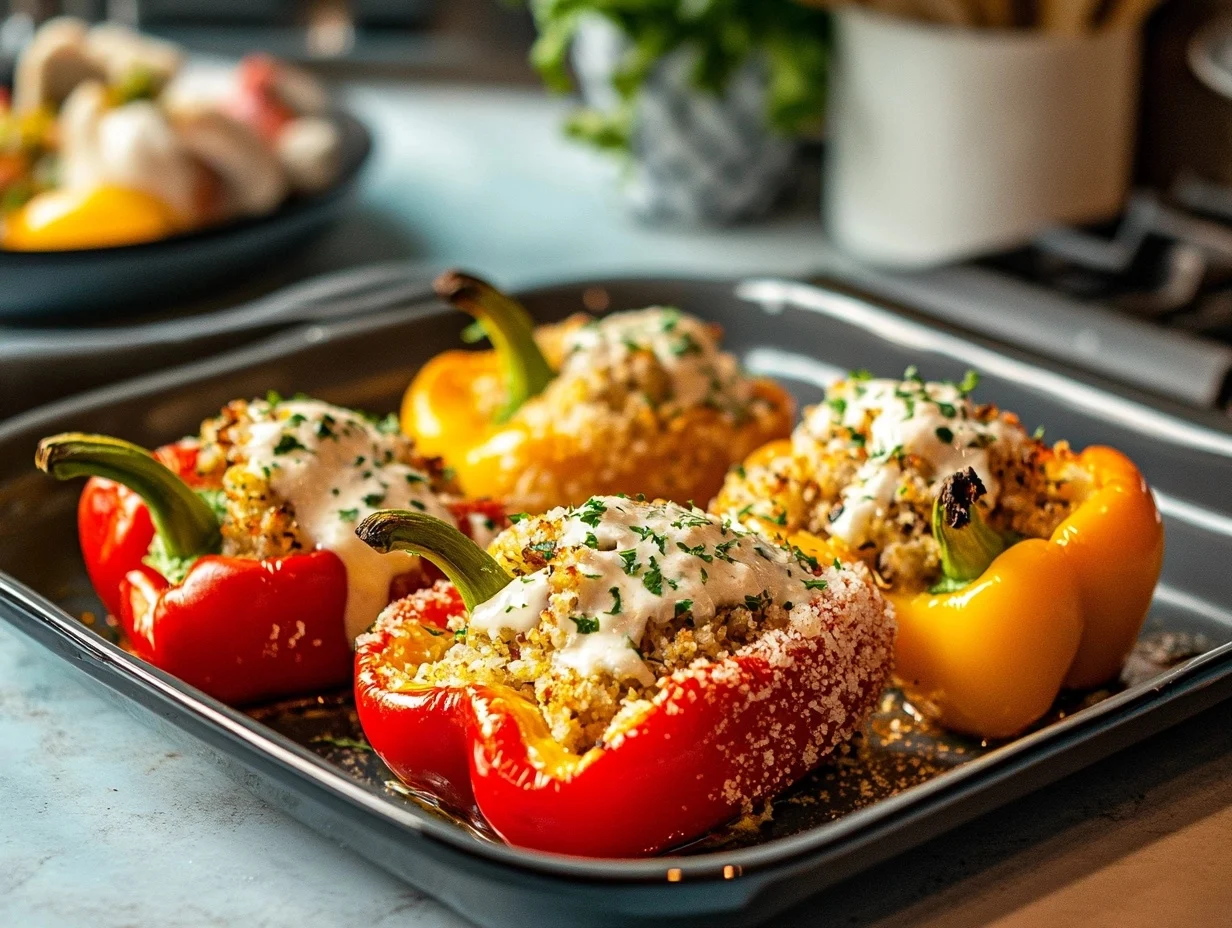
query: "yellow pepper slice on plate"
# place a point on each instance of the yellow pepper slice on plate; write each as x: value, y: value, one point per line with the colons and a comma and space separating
x: 96, y: 217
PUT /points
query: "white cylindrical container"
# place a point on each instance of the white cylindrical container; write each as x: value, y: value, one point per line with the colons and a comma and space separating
x: 945, y: 143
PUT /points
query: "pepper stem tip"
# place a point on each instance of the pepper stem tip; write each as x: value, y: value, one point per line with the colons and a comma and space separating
x: 475, y: 573
x: 509, y: 327
x: 184, y: 521
x: 968, y: 543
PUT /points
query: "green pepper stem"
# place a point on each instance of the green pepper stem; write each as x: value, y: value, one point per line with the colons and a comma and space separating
x: 471, y: 569
x: 968, y: 543
x: 184, y: 521
x: 511, y: 330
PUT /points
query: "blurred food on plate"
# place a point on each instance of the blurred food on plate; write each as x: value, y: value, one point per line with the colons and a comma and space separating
x: 111, y: 138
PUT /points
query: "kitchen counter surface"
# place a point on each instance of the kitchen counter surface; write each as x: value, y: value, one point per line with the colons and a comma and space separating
x: 104, y: 822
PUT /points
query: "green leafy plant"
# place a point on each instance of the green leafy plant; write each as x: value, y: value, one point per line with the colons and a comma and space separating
x: 792, y: 39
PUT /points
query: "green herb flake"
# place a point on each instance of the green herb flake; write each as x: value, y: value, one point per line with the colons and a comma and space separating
x: 945, y: 435
x: 615, y: 610
x: 653, y: 578
x: 683, y: 606
x: 817, y: 584
x: 516, y: 517
x: 348, y: 515
x: 586, y: 625
x: 288, y: 443
x: 628, y: 560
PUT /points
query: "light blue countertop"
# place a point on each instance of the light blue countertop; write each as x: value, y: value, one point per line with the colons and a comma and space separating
x: 105, y: 823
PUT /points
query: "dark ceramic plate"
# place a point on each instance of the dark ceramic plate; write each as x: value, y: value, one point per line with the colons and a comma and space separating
x: 94, y: 280
x: 896, y: 786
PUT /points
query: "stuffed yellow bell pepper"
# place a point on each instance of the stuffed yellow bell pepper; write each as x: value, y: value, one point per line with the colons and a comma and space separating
x: 635, y: 402
x: 1016, y: 569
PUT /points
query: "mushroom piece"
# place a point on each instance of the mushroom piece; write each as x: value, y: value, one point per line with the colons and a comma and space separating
x: 252, y: 177
x: 131, y: 146
x: 53, y: 64
x: 310, y: 151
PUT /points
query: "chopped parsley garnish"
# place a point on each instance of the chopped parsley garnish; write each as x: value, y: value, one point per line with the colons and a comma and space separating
x: 273, y: 397
x: 591, y: 541
x: 721, y: 550
x: 945, y: 435
x: 348, y: 515
x: 690, y: 519
x: 413, y: 477
x: 325, y: 428
x: 388, y: 425
x: 753, y: 603
x: 683, y: 606
x: 947, y: 409
x: 359, y: 461
x: 806, y: 560
x: 856, y: 438
x: 781, y: 518
x: 653, y: 578
x: 740, y: 471
x: 374, y: 499
x: 1038, y: 434
x: 913, y: 373
x: 970, y: 381
x: 586, y: 625
x: 815, y: 584
x: 838, y: 406
x: 838, y: 565
x: 297, y: 419
x: 416, y: 504
x: 860, y: 373
x: 645, y: 533
x: 696, y: 551
x: 686, y: 344
x: 516, y: 517
x: 615, y: 610
x: 629, y: 562
x: 591, y: 512
x: 288, y: 443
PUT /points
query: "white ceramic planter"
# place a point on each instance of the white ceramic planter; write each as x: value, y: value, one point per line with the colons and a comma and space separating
x: 946, y: 143
x: 697, y: 157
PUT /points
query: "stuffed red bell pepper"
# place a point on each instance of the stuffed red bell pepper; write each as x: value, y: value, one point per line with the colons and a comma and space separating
x: 230, y: 559
x: 621, y: 677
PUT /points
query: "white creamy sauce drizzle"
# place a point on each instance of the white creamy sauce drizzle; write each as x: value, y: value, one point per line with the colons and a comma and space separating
x: 933, y: 421
x: 637, y: 561
x: 334, y: 467
x: 684, y: 346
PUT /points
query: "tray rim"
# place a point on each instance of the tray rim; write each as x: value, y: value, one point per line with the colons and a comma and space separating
x: 771, y: 859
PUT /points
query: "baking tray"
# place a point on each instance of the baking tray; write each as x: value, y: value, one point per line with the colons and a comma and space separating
x: 306, y: 758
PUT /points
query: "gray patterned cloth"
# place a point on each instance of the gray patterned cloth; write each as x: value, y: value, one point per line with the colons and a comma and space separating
x: 697, y: 157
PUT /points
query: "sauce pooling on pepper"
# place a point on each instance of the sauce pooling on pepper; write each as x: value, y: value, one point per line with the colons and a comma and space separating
x: 333, y: 466
x: 621, y: 566
x: 934, y: 422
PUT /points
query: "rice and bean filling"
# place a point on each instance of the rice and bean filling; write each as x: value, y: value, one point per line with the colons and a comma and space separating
x: 611, y: 597
x: 866, y: 465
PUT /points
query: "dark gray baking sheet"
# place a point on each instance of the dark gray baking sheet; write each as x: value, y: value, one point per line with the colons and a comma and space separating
x: 799, y: 333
